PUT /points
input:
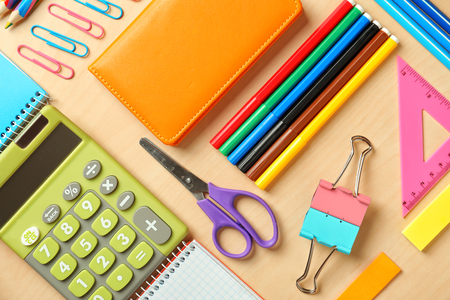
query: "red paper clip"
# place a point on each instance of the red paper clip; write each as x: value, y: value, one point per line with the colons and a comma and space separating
x: 58, y: 63
x: 73, y: 14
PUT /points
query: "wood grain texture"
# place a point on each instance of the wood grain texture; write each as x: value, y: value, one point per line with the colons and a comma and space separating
x: 372, y: 111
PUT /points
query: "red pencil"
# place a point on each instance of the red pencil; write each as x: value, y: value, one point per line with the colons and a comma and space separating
x: 286, y: 69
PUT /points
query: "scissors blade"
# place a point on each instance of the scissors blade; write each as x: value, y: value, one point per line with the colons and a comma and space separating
x: 194, y: 184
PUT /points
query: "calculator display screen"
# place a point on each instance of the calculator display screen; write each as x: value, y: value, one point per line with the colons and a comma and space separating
x: 35, y: 170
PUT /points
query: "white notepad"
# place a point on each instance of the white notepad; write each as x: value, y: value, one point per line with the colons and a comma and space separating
x: 196, y: 274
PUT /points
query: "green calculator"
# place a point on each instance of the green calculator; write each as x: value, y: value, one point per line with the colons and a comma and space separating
x: 76, y: 216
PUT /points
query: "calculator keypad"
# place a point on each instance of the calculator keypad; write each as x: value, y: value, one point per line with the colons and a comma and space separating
x: 105, y: 222
x: 84, y: 245
x: 103, y: 261
x: 123, y: 239
x: 82, y: 283
x: 89, y: 205
x: 46, y: 251
x: 108, y: 185
x: 67, y: 228
x: 64, y: 267
x: 141, y: 255
x: 101, y: 293
x: 149, y: 222
x: 120, y: 277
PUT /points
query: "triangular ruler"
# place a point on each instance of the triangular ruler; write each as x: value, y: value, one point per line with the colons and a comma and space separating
x: 415, y: 95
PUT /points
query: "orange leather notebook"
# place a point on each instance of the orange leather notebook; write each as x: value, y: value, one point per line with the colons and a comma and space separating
x: 178, y: 58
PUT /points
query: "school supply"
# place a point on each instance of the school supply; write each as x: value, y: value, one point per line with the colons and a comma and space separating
x: 431, y: 10
x: 7, y: 5
x: 416, y: 31
x: 105, y: 11
x: 294, y: 112
x: 21, y: 11
x: 291, y: 81
x: 285, y: 70
x: 224, y: 197
x: 335, y: 215
x: 308, y: 115
x: 325, y: 114
x: 88, y: 29
x: 300, y: 89
x: 73, y: 43
x: 57, y: 71
x: 372, y: 280
x: 194, y: 273
x: 178, y: 74
x: 425, y: 22
x: 416, y: 95
x: 430, y: 222
x: 77, y: 217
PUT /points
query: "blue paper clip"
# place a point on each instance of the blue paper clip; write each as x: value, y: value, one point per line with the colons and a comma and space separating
x: 103, y: 11
x: 62, y: 37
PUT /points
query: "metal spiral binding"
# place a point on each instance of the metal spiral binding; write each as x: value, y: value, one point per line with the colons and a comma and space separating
x: 158, y: 282
x: 24, y: 117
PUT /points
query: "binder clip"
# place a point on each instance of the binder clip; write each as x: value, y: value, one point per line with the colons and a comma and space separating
x: 335, y: 216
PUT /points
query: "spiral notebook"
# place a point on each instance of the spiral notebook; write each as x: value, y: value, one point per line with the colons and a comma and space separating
x: 194, y: 273
x: 20, y: 101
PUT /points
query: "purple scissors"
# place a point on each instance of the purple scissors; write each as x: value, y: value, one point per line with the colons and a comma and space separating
x: 224, y: 197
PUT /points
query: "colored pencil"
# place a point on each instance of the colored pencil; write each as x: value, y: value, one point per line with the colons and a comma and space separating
x: 7, y: 5
x: 431, y: 10
x: 21, y: 11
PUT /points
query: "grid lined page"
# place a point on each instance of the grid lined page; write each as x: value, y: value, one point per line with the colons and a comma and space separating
x: 196, y: 274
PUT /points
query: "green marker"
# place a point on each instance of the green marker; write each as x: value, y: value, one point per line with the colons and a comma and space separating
x: 291, y: 81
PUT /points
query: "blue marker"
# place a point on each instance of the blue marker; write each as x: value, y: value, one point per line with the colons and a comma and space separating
x: 425, y: 22
x: 438, y: 16
x: 273, y: 117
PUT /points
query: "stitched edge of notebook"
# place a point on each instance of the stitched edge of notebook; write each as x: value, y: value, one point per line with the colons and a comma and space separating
x: 297, y: 2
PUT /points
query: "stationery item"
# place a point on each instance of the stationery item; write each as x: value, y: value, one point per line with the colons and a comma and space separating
x: 183, y: 277
x: 335, y: 215
x: 187, y: 73
x: 105, y: 11
x: 7, y: 5
x: 21, y: 11
x: 305, y: 118
x: 430, y: 222
x: 416, y: 31
x: 300, y: 89
x: 56, y: 71
x: 431, y: 10
x: 303, y: 138
x: 415, y: 96
x: 66, y: 39
x: 285, y: 70
x: 294, y: 112
x: 223, y: 197
x: 425, y: 22
x: 372, y: 280
x: 88, y: 29
x: 291, y: 81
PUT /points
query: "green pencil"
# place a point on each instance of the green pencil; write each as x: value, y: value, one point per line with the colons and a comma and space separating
x: 291, y: 81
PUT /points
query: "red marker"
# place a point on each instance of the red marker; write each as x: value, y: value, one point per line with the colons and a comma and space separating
x: 289, y: 66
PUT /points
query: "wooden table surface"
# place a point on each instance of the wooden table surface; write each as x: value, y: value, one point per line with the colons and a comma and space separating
x: 372, y: 111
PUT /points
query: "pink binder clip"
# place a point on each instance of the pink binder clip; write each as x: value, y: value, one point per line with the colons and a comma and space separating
x: 58, y: 63
x: 73, y: 14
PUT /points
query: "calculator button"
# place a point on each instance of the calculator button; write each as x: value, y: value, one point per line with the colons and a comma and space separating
x: 92, y: 169
x: 105, y: 222
x: 141, y: 255
x: 123, y: 239
x: 125, y: 200
x: 101, y: 293
x: 102, y: 261
x: 51, y: 214
x: 120, y: 277
x: 64, y: 267
x: 84, y: 245
x: 30, y: 236
x: 108, y: 185
x: 67, y: 228
x: 82, y: 283
x: 46, y: 251
x: 87, y: 206
x: 152, y: 225
x: 72, y: 191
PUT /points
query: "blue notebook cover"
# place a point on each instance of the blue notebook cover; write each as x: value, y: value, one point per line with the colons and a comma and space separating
x: 20, y: 100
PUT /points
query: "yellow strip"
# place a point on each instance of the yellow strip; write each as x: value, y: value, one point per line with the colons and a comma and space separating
x: 430, y: 222
x: 377, y: 275
x: 302, y: 139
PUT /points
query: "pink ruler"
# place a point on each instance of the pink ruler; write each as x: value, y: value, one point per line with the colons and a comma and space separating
x: 415, y: 95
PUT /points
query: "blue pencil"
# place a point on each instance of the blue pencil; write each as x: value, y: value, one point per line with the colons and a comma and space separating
x: 438, y: 16
x: 425, y: 22
x: 273, y: 117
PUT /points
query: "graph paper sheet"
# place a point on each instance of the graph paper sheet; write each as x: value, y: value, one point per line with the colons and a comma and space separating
x: 197, y: 274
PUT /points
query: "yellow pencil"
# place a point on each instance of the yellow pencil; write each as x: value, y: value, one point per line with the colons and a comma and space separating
x: 302, y: 139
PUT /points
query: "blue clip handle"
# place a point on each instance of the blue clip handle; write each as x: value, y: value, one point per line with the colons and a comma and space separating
x: 62, y: 37
x: 103, y: 11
